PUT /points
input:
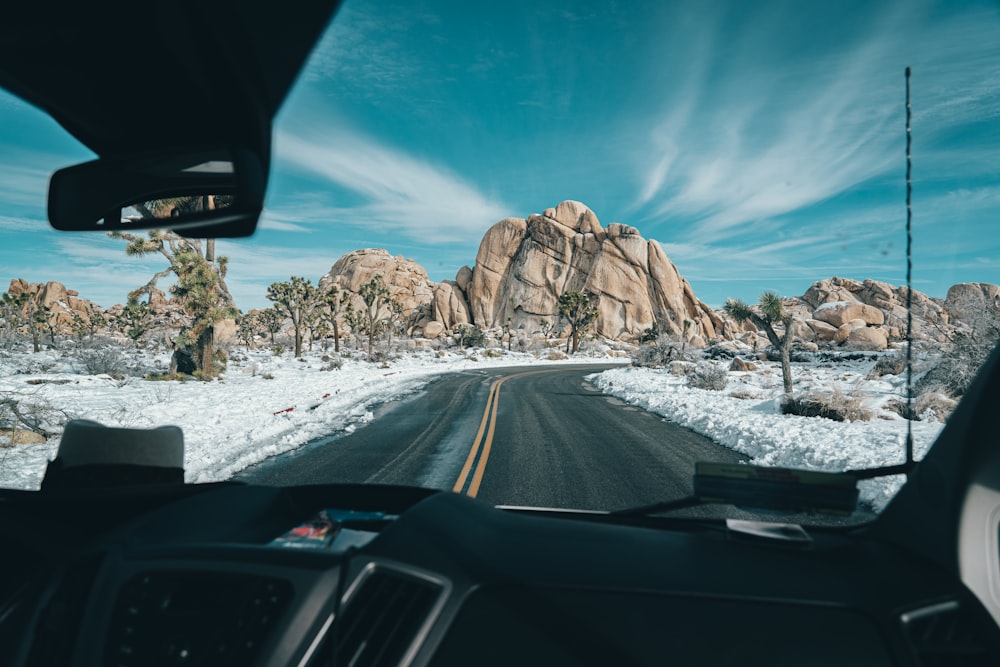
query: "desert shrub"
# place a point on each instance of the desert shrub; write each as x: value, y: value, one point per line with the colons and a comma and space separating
x: 474, y: 337
x: 220, y: 361
x: 492, y: 353
x: 680, y: 368
x: 899, y: 407
x: 557, y: 355
x: 706, y: 375
x: 105, y: 360
x: 333, y: 363
x: 29, y: 413
x: 889, y: 364
x: 159, y: 377
x: 278, y: 350
x: 934, y: 406
x: 656, y: 355
x: 959, y: 364
x: 744, y: 394
x: 835, y: 405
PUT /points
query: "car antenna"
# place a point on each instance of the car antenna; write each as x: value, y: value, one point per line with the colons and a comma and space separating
x: 907, y: 465
x: 909, y: 285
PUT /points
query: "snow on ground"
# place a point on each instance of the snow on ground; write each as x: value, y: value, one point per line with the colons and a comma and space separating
x: 746, y: 417
x: 243, y: 418
x: 228, y: 424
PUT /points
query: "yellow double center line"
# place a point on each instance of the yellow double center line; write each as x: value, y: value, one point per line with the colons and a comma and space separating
x: 481, y: 447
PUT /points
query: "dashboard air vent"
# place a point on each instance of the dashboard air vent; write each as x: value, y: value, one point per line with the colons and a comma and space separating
x: 384, y: 618
x: 945, y: 635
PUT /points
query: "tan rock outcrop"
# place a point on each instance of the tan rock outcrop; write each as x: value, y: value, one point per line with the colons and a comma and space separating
x: 822, y: 331
x: 63, y: 303
x: 866, y: 338
x: 523, y: 265
x: 968, y: 301
x: 407, y: 281
x: 837, y: 313
x: 929, y: 315
x: 448, y: 305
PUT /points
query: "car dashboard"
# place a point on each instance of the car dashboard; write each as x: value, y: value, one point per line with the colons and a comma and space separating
x: 196, y: 577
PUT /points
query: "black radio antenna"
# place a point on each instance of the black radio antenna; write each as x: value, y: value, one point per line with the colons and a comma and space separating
x: 909, y: 285
x: 905, y: 467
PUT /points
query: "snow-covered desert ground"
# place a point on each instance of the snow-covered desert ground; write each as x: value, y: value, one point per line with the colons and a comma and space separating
x: 244, y: 417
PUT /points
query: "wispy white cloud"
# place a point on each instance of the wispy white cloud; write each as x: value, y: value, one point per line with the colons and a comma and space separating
x: 401, y: 192
x: 761, y: 142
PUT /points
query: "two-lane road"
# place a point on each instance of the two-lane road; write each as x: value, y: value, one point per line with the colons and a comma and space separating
x: 537, y: 436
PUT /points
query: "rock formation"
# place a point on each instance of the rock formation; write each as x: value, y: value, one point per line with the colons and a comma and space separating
x: 866, y: 315
x: 407, y: 281
x: 522, y: 267
x: 64, y: 303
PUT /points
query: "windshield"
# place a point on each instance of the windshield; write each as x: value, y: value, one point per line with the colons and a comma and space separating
x: 545, y: 254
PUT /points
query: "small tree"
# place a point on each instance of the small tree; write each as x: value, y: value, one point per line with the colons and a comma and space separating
x: 295, y: 299
x: 248, y: 328
x: 336, y: 303
x: 316, y: 324
x: 48, y: 320
x: 134, y: 320
x: 87, y: 327
x: 12, y: 311
x: 37, y: 319
x: 393, y: 320
x: 375, y: 294
x: 772, y: 311
x: 580, y: 310
x: 470, y: 335
x: 270, y: 319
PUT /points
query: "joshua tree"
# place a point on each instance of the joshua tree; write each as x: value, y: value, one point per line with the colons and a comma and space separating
x: 296, y: 299
x: 772, y: 311
x: 200, y: 288
x: 375, y: 294
x: 270, y: 319
x: 580, y: 310
x: 337, y: 303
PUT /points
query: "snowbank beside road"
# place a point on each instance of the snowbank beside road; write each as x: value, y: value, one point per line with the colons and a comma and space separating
x: 261, y: 407
x: 752, y: 424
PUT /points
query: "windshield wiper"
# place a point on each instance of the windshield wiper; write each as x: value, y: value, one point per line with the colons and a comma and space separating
x: 785, y: 489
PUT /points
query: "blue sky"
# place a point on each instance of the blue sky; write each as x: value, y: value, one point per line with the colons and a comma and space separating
x: 761, y: 143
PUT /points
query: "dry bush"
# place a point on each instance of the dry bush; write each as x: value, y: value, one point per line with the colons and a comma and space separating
x: 706, y: 375
x: 105, y: 360
x: 835, y: 405
x: 744, y: 394
x: 889, y: 364
x: 934, y: 406
x: 659, y: 355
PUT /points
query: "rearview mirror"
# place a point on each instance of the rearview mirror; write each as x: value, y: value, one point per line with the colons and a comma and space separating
x: 206, y: 192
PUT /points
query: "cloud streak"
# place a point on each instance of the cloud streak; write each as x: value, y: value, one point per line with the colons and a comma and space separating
x: 400, y: 192
x: 751, y: 142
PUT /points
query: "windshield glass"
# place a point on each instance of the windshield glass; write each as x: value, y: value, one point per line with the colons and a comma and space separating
x: 545, y: 254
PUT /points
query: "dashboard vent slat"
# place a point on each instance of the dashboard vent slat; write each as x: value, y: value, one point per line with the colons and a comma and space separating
x: 383, y: 618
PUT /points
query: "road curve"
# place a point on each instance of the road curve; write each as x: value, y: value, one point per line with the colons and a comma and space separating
x: 537, y: 436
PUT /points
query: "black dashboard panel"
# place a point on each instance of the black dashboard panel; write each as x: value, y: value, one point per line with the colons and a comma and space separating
x: 447, y: 580
x: 512, y: 626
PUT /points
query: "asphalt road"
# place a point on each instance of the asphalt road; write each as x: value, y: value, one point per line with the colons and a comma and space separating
x: 541, y: 437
